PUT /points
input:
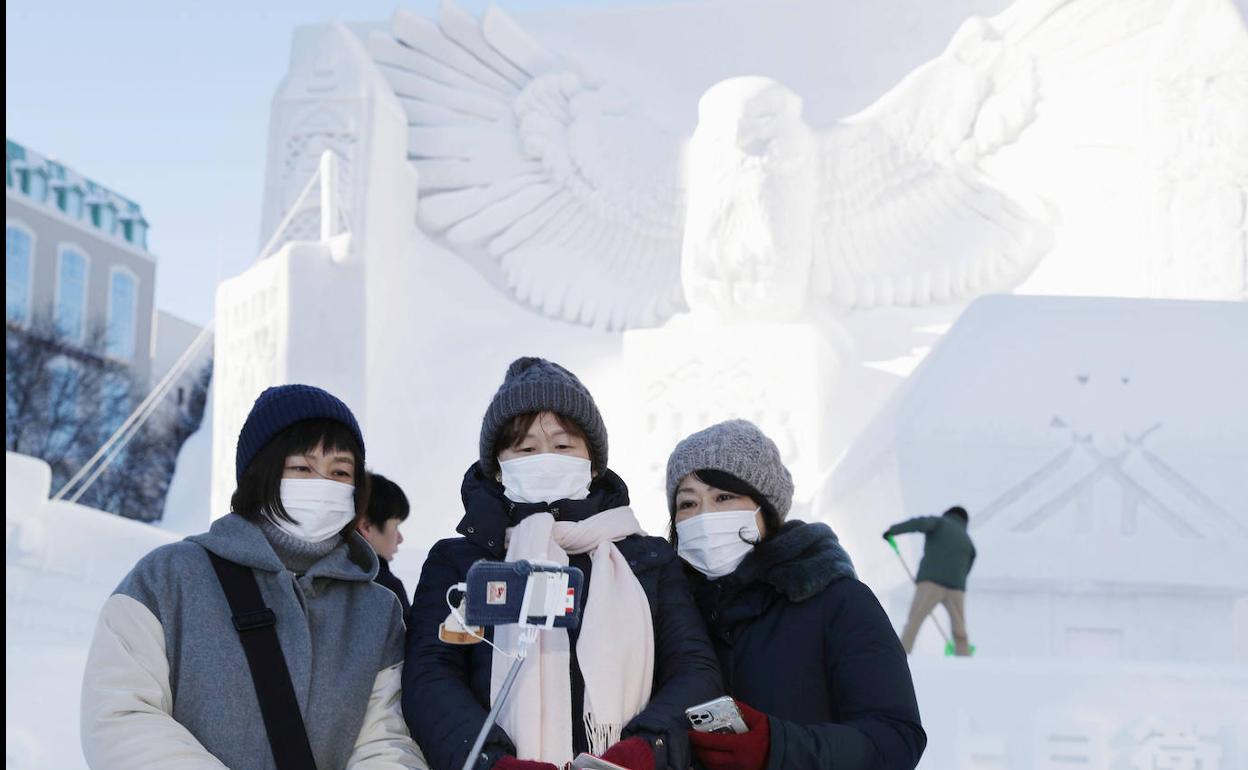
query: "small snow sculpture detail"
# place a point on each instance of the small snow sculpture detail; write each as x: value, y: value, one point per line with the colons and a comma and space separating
x: 1175, y: 747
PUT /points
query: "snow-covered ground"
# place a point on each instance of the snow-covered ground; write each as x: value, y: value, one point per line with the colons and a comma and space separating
x: 62, y: 560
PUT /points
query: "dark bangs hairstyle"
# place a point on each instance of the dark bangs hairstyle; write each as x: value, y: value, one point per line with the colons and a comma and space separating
x: 729, y: 483
x: 259, y: 491
x: 386, y: 501
x: 512, y: 434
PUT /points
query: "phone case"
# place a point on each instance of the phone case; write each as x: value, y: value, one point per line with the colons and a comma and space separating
x: 717, y: 716
x: 495, y: 592
x: 590, y: 762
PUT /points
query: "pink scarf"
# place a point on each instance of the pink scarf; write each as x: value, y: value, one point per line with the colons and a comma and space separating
x: 615, y: 649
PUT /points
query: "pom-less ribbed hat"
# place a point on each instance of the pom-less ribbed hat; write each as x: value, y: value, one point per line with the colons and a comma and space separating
x: 740, y: 449
x: 538, y: 385
x: 281, y: 406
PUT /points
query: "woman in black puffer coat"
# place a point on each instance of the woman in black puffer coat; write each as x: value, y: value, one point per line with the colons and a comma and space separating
x: 805, y: 648
x: 617, y: 686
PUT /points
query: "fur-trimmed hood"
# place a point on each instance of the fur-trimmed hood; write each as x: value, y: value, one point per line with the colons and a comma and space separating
x: 799, y: 561
x: 795, y: 564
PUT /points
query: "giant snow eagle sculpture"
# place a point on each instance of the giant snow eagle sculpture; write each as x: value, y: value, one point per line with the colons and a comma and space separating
x: 596, y: 216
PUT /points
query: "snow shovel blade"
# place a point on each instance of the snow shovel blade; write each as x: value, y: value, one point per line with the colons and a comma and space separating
x: 950, y: 650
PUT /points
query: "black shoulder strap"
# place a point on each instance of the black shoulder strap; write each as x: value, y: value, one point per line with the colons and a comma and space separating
x: 257, y: 630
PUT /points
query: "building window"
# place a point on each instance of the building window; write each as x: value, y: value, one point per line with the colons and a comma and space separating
x: 37, y: 185
x: 18, y: 261
x: 104, y: 216
x: 71, y: 293
x: 73, y: 202
x: 123, y: 303
x: 140, y: 234
x: 135, y: 231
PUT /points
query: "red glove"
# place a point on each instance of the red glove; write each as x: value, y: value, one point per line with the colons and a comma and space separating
x: 634, y: 753
x: 511, y: 763
x: 732, y: 751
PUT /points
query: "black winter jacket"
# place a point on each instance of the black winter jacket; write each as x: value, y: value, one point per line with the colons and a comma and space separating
x: 390, y: 580
x: 802, y: 640
x: 446, y: 688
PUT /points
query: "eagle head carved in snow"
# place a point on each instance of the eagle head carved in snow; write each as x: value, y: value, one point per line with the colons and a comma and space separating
x: 750, y: 194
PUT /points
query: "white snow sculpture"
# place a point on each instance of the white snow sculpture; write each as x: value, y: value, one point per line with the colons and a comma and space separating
x: 753, y: 175
x: 1099, y: 445
x: 524, y: 159
x: 587, y: 208
x: 1198, y: 113
x: 272, y: 322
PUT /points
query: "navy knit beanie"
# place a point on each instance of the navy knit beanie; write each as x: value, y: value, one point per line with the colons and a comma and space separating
x: 281, y: 406
x: 538, y: 385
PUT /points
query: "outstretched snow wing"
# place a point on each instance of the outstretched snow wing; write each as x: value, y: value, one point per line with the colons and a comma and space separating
x: 908, y: 216
x: 523, y: 158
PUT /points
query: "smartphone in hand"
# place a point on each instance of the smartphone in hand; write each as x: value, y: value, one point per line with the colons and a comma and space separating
x: 717, y: 716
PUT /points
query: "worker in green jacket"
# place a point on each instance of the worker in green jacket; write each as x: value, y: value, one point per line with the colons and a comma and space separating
x: 948, y: 554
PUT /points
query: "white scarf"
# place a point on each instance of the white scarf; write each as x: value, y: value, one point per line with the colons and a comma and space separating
x: 615, y: 648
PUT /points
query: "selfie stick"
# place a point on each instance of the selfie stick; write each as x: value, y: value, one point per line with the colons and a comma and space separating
x: 528, y: 636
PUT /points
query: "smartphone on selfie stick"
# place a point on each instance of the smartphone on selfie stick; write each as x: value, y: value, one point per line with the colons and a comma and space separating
x: 537, y: 596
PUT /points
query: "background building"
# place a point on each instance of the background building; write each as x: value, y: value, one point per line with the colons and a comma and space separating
x: 84, y: 344
x: 78, y: 250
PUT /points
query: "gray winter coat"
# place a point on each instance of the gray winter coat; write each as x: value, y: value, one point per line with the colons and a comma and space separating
x: 167, y: 683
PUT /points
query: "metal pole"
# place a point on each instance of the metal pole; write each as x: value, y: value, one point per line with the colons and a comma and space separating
x: 930, y: 615
x: 522, y: 651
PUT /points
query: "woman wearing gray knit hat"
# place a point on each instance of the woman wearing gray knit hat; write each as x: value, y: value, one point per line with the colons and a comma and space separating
x: 615, y: 687
x: 799, y: 639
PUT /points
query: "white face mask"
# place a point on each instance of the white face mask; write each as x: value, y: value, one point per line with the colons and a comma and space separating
x: 320, y: 506
x: 715, y: 543
x: 546, y: 478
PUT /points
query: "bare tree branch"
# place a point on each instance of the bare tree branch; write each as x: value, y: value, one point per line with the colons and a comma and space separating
x: 64, y: 400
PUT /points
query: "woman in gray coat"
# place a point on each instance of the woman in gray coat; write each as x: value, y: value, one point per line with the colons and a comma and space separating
x: 167, y: 681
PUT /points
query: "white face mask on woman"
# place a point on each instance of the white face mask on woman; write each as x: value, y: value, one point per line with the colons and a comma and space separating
x: 715, y: 543
x: 545, y: 478
x: 321, y: 507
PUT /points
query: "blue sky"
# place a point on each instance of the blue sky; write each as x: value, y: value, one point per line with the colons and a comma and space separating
x: 168, y: 104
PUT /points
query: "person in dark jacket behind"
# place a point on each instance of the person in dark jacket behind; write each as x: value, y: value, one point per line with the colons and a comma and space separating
x: 805, y: 648
x: 618, y: 685
x: 387, y: 509
x: 948, y: 554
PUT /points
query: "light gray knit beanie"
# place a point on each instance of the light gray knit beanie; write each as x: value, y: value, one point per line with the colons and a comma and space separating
x: 740, y: 449
x: 537, y: 385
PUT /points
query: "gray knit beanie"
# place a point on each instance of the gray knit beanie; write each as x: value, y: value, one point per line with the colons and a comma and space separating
x: 740, y: 449
x: 538, y: 385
